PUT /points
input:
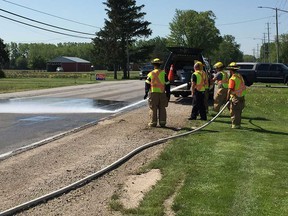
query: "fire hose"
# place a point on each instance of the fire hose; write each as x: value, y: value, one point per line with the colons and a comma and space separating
x: 114, y: 165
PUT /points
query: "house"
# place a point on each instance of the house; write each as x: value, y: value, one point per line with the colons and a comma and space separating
x: 69, y: 64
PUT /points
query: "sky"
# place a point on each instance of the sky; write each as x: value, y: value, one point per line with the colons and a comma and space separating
x: 239, y: 18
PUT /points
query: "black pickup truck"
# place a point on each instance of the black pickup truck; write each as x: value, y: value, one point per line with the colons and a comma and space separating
x: 263, y: 72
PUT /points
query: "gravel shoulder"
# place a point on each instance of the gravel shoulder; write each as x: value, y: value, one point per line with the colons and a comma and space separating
x: 44, y: 169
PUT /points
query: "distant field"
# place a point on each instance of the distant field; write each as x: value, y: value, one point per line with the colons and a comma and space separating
x: 23, y: 80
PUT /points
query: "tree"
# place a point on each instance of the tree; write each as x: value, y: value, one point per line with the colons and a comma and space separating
x: 4, y: 54
x: 125, y: 23
x: 145, y: 50
x: 228, y: 51
x: 192, y: 29
x: 284, y: 48
x: 249, y: 58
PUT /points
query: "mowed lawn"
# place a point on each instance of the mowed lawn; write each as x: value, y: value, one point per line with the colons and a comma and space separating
x: 224, y: 171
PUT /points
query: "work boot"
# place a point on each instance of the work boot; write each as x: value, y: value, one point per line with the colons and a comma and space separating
x: 191, y: 118
x: 152, y: 125
x: 235, y: 126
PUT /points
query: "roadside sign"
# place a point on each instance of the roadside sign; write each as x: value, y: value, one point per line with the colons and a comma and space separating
x: 100, y: 76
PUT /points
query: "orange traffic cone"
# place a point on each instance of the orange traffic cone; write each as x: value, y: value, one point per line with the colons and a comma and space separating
x: 171, y: 73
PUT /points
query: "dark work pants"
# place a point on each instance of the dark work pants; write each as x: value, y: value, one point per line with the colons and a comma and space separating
x: 198, y: 105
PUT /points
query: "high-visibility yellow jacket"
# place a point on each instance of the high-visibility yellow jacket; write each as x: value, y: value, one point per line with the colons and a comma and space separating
x: 225, y: 79
x: 157, y: 81
x: 239, y: 89
x: 201, y: 80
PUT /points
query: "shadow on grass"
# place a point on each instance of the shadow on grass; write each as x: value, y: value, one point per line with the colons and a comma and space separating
x: 259, y: 129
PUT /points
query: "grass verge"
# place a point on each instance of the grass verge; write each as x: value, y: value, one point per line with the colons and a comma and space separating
x: 226, y: 171
x: 30, y: 80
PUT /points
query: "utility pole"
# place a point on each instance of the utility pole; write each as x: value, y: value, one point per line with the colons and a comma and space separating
x: 277, y: 34
x: 268, y: 44
x: 264, y: 47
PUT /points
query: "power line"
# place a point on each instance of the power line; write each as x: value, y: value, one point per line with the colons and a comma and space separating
x: 245, y: 21
x: 50, y: 14
x: 46, y: 23
x: 43, y: 28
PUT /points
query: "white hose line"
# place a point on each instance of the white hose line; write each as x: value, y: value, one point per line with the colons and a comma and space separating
x: 179, y: 87
x: 101, y: 172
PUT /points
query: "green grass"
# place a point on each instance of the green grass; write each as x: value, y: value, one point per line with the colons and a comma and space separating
x: 220, y: 171
x: 24, y: 84
x: 31, y: 80
x: 226, y: 171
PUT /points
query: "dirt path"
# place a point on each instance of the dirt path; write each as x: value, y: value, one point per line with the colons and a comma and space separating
x: 49, y: 167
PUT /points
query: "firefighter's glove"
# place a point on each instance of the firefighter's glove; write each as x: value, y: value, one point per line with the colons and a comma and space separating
x: 146, y: 95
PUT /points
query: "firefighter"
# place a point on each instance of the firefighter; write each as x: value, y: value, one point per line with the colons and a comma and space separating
x: 157, y: 86
x: 199, y: 81
x: 236, y: 95
x: 221, y: 78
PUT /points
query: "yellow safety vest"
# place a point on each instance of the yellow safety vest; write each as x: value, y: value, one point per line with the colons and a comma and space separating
x: 225, y: 79
x: 239, y: 88
x: 201, y: 80
x: 156, y: 79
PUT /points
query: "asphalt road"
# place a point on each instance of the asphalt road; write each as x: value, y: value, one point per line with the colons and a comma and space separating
x: 32, y: 116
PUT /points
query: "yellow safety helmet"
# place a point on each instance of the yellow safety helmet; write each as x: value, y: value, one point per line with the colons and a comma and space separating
x: 156, y: 61
x: 218, y: 65
x: 233, y: 66
x: 199, y: 65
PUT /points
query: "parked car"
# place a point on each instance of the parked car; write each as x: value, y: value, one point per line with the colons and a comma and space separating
x: 144, y: 70
x: 272, y: 72
x: 183, y: 60
x: 59, y: 69
x: 263, y: 72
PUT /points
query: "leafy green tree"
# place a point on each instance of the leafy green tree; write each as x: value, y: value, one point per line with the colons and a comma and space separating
x: 249, y: 58
x: 125, y: 23
x: 14, y: 54
x: 283, y: 48
x: 21, y: 63
x: 36, y: 55
x: 194, y: 29
x: 4, y: 54
x: 228, y: 51
x: 145, y: 50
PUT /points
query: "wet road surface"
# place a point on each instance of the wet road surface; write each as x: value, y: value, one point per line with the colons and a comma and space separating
x: 26, y: 120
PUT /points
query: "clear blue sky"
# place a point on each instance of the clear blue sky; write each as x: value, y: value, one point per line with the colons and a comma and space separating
x: 242, y: 19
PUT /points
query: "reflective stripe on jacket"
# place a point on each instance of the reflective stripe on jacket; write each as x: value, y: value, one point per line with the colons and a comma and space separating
x: 156, y: 79
x: 200, y: 80
x: 239, y: 88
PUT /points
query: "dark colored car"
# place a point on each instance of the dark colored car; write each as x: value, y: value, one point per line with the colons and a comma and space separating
x: 272, y: 72
x: 144, y: 70
x: 263, y: 72
x: 183, y: 60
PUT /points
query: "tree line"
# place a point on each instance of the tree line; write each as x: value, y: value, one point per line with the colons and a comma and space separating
x: 120, y: 42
